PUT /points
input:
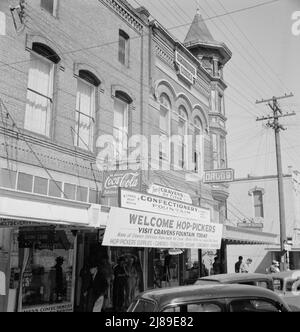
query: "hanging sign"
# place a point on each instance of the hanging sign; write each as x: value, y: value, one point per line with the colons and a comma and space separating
x: 150, y: 203
x: 121, y: 179
x: 170, y: 193
x: 219, y: 176
x: 130, y: 228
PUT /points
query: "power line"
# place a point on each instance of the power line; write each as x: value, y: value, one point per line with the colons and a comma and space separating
x: 31, y: 148
x: 170, y: 28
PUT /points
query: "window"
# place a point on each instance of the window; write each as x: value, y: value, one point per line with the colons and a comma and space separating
x: 120, y: 130
x: 50, y: 6
x: 40, y: 186
x: 25, y: 182
x: 196, y: 307
x: 198, y: 146
x: 182, y: 132
x: 223, y: 162
x: 258, y: 204
x: 81, y: 194
x: 40, y: 89
x: 143, y: 306
x: 164, y: 126
x: 85, y: 110
x: 70, y: 191
x: 2, y: 24
x: 221, y: 108
x: 55, y: 189
x: 253, y: 305
x: 123, y: 48
x: 215, y: 151
x: 8, y: 178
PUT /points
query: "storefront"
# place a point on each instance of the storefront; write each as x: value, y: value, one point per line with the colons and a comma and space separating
x: 38, y: 241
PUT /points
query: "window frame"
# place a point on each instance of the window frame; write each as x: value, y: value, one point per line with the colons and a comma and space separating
x: 92, y: 117
x: 270, y: 301
x: 123, y: 53
x: 165, y: 134
x: 120, y: 162
x: 55, y: 8
x: 183, y: 164
x: 199, y: 160
x: 50, y: 99
x: 262, y: 210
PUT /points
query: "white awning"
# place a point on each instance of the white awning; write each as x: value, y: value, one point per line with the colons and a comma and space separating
x: 236, y: 235
x: 25, y: 207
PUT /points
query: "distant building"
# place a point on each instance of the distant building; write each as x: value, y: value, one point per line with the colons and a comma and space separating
x: 253, y: 204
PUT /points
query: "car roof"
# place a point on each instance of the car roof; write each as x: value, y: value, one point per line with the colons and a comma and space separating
x: 181, y: 294
x: 286, y: 275
x: 236, y: 277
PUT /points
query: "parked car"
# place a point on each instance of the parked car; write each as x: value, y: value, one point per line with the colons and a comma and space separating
x: 252, y: 279
x: 287, y: 285
x: 209, y: 298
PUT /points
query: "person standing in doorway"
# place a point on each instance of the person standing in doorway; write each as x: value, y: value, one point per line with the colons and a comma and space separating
x: 97, y: 289
x: 237, y: 266
x: 119, y: 285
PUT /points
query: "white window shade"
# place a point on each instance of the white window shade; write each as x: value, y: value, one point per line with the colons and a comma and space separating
x: 39, y: 95
x: 121, y: 129
x: 2, y: 24
x: 85, y: 109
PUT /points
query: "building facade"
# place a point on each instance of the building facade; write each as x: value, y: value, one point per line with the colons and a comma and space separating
x: 70, y: 73
x: 254, y: 205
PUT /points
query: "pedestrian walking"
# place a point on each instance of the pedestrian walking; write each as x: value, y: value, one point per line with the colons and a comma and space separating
x: 245, y: 267
x: 119, y: 285
x: 237, y: 266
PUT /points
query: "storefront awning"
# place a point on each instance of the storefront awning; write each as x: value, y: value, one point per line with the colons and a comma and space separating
x: 23, y: 207
x: 239, y: 236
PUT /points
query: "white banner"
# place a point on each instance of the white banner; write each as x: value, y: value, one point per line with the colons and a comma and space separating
x: 129, y: 228
x: 174, y: 194
x: 144, y: 202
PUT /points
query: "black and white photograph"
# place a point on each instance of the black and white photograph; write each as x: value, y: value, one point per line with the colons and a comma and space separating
x: 149, y: 158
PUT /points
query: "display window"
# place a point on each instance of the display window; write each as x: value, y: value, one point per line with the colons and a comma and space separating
x: 42, y: 270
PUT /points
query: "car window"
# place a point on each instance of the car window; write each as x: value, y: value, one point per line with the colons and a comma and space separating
x: 143, y: 306
x: 293, y: 286
x: 249, y: 283
x: 254, y: 305
x: 278, y: 284
x: 262, y: 284
x: 195, y: 307
x: 204, y: 307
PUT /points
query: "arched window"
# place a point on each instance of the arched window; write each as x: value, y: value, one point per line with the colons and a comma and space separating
x: 120, y: 130
x: 183, y: 137
x: 164, y: 127
x: 40, y: 89
x: 85, y: 109
x: 198, y: 145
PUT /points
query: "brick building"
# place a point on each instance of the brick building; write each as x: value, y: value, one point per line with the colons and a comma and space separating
x: 70, y: 71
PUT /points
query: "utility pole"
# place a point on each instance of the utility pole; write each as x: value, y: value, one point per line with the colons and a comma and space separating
x: 273, y: 122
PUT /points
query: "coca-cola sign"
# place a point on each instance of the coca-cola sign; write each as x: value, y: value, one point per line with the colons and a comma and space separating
x: 120, y: 179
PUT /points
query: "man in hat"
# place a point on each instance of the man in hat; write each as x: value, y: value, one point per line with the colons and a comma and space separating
x: 275, y: 267
x: 97, y: 289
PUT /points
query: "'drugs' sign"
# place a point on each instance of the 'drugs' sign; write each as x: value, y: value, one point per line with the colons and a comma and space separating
x: 130, y: 228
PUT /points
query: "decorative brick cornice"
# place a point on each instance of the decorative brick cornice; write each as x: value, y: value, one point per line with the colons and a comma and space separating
x: 124, y: 13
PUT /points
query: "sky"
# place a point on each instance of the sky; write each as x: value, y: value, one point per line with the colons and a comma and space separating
x: 265, y: 63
